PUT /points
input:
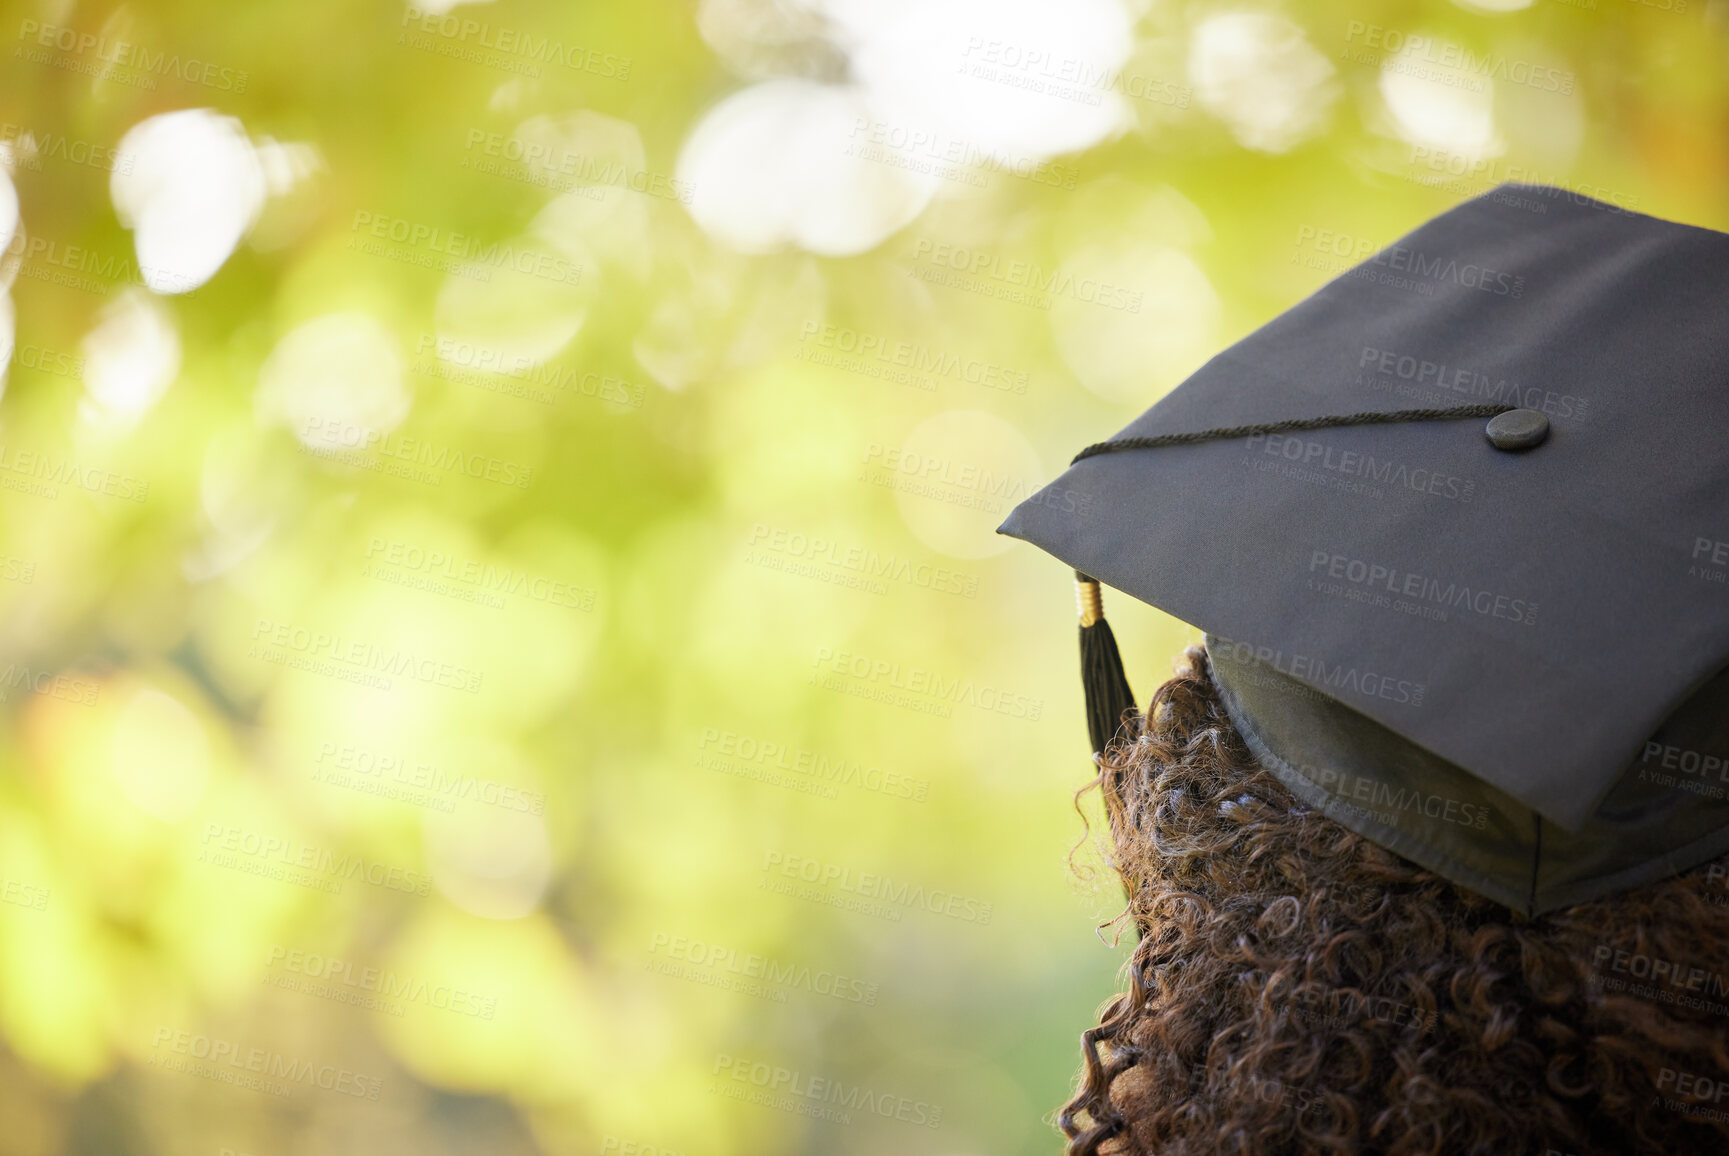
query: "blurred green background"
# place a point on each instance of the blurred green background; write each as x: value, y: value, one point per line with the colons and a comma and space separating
x: 504, y: 648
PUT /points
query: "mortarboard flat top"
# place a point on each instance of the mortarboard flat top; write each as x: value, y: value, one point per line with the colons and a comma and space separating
x: 1530, y: 617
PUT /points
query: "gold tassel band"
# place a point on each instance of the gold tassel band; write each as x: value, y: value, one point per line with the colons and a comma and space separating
x: 1088, y: 599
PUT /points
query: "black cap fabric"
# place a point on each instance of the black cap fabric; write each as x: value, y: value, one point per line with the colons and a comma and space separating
x: 1668, y: 810
x: 1529, y: 617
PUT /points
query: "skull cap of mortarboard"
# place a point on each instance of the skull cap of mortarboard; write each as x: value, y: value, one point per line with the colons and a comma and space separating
x: 1456, y: 528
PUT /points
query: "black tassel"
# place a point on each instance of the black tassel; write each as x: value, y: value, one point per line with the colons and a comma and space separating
x: 1109, y: 698
x: 1110, y: 702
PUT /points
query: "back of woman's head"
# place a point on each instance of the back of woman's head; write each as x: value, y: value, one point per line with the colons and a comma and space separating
x: 1300, y: 989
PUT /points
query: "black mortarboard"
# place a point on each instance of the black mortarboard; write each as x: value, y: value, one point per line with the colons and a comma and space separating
x: 1494, y: 644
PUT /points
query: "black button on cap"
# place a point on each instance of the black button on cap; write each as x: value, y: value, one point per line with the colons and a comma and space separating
x: 1517, y: 429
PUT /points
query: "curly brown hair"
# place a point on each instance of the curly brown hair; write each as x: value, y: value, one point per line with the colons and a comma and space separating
x: 1300, y: 989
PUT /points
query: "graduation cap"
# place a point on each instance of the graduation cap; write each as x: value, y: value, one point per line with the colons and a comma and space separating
x: 1456, y: 528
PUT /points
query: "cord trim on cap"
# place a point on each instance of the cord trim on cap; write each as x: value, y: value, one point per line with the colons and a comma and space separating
x: 1219, y: 433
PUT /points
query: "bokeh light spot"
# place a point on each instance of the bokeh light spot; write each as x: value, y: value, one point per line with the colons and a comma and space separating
x: 1258, y: 73
x: 189, y: 185
x: 335, y: 382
